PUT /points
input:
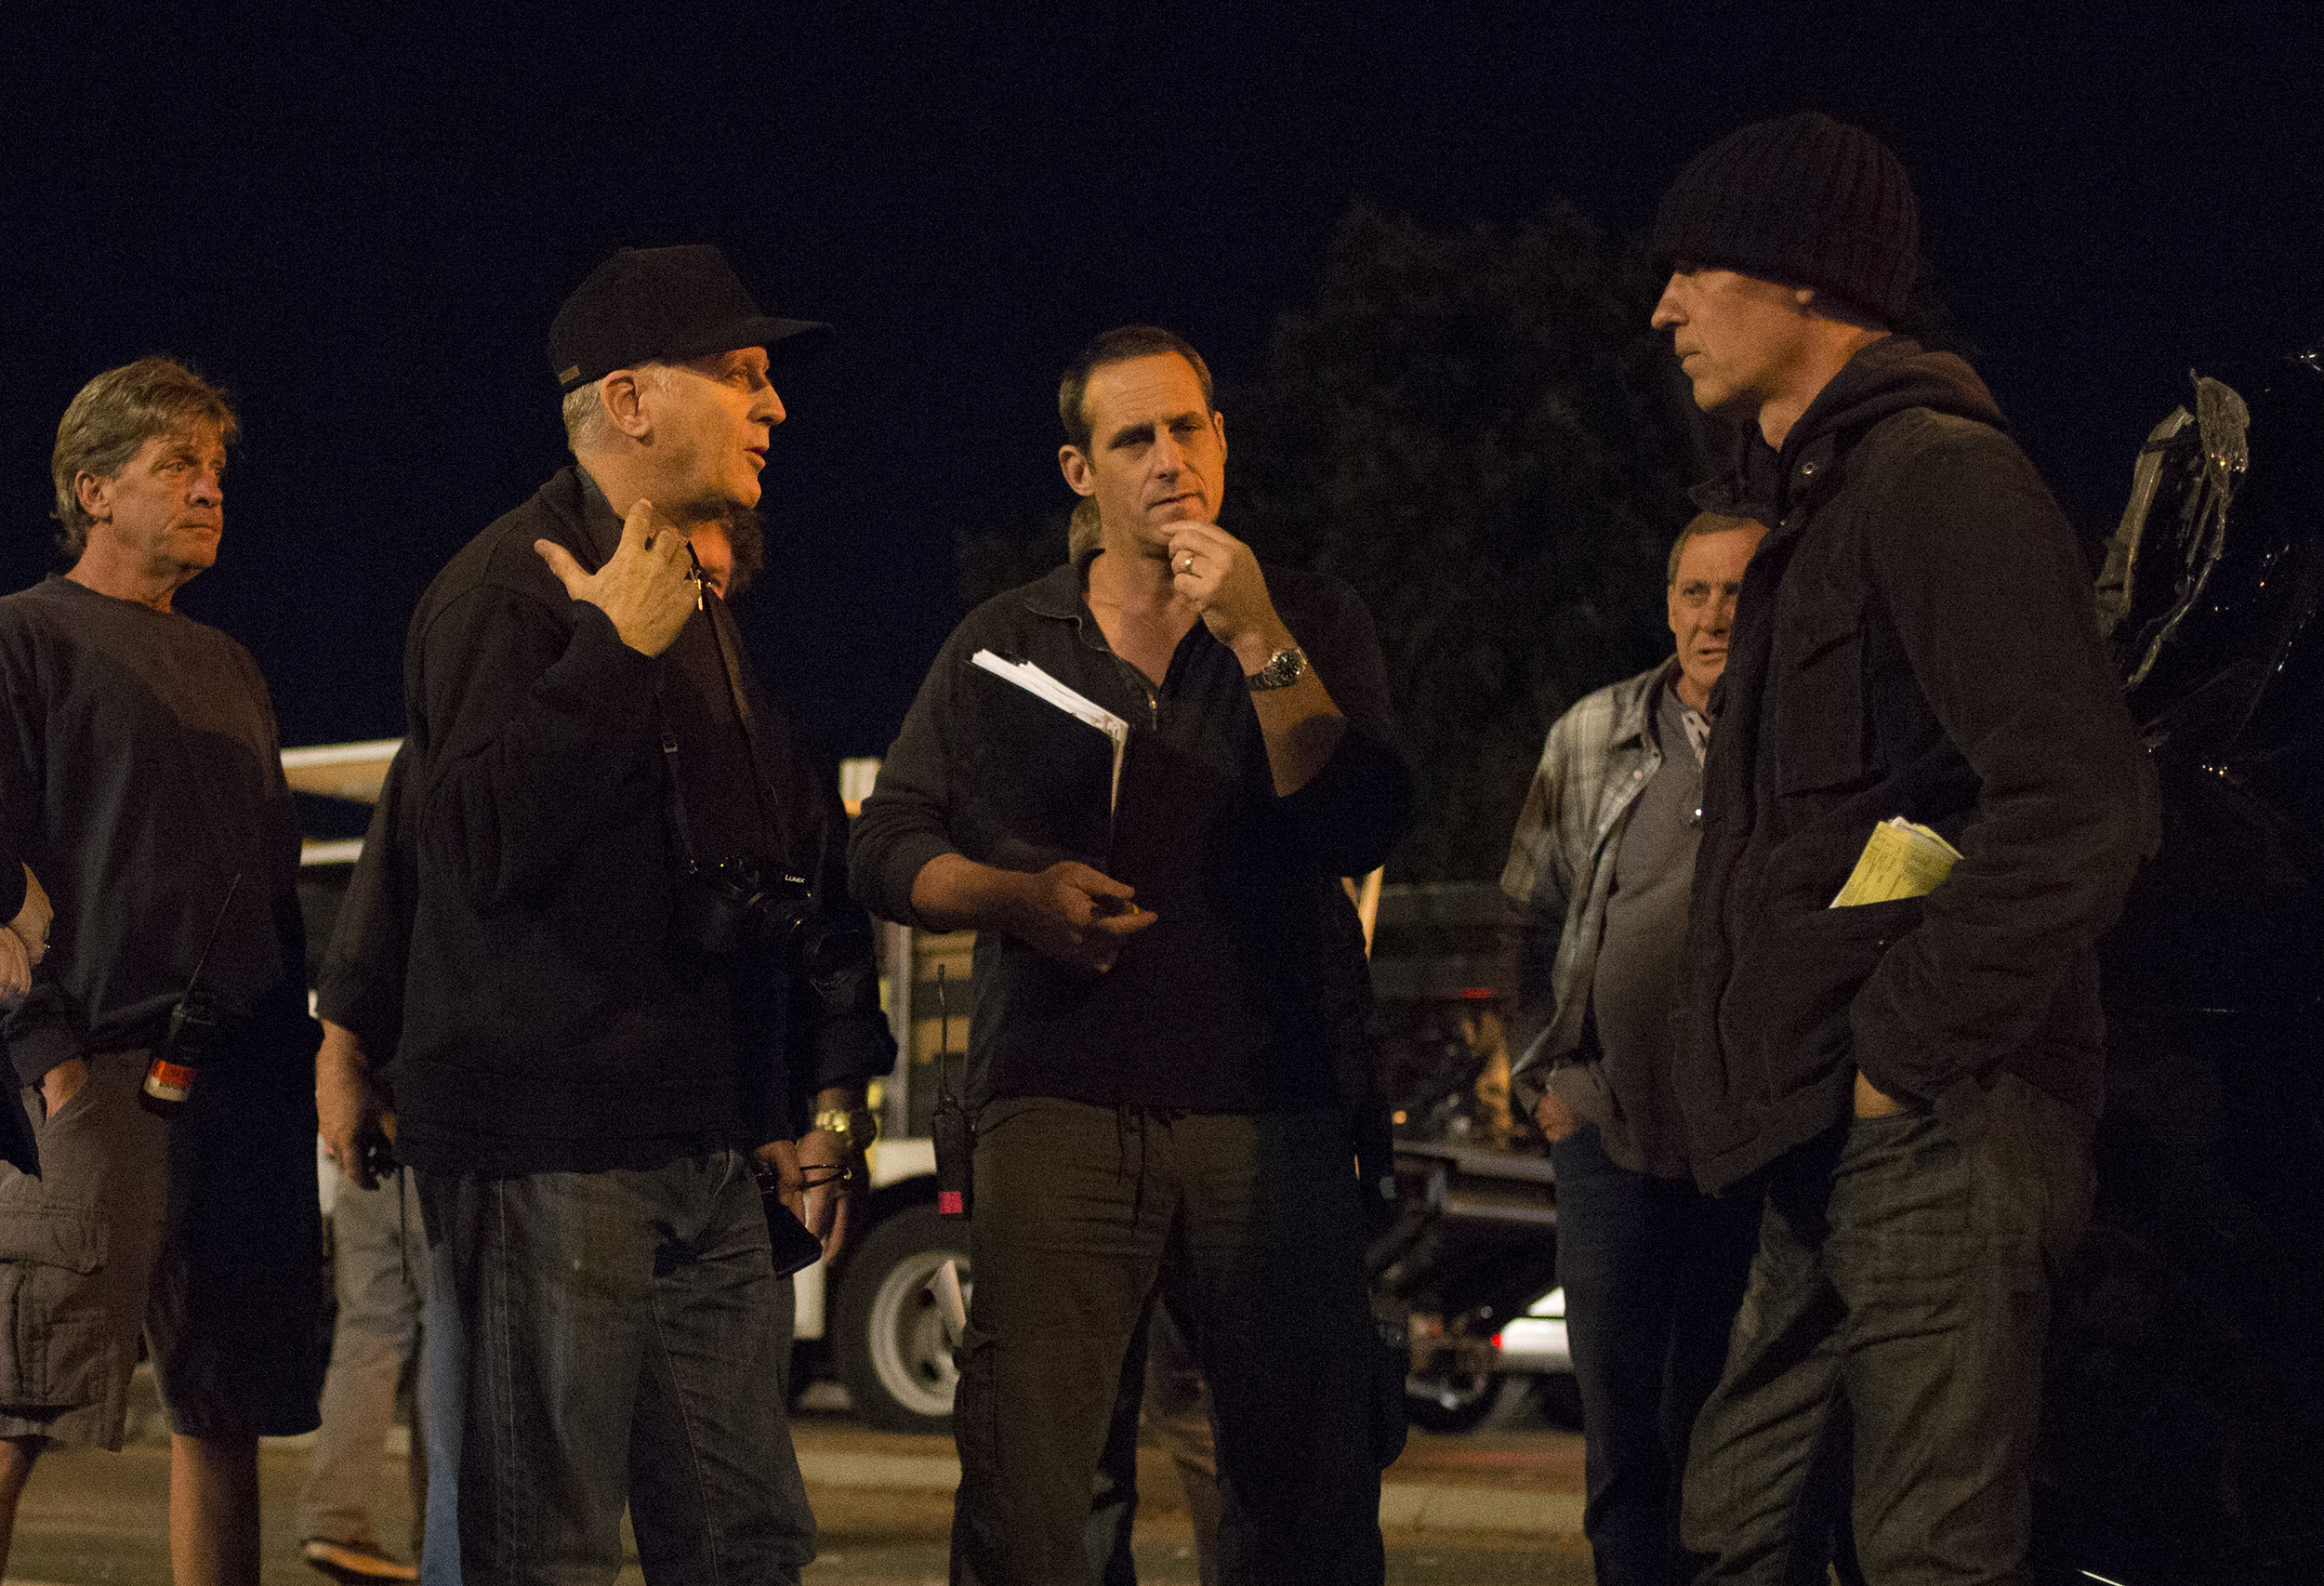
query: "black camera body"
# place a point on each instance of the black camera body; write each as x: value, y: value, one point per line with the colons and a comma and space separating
x: 733, y: 910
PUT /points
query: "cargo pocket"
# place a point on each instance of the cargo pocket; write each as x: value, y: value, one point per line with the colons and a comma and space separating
x: 60, y: 1340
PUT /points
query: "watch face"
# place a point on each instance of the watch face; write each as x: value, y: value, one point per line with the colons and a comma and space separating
x: 1282, y: 669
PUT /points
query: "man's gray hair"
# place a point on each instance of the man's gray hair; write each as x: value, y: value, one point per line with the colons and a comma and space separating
x: 113, y: 415
x: 588, y: 426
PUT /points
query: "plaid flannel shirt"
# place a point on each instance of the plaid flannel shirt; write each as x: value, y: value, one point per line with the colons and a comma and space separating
x: 1598, y: 759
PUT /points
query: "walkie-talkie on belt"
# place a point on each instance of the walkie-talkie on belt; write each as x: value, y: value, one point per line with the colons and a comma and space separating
x: 193, y: 1022
x: 954, y: 1135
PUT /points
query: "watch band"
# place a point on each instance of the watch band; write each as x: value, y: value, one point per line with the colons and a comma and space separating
x: 1282, y: 669
x: 858, y: 1126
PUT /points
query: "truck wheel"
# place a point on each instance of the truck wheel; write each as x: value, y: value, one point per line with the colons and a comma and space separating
x: 1454, y: 1401
x: 892, y: 1353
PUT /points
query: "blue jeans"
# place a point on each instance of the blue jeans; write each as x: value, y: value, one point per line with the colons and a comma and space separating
x: 1653, y: 1271
x: 1900, y: 1296
x: 627, y: 1341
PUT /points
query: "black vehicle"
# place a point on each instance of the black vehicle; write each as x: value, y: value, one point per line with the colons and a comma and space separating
x: 2183, y: 1418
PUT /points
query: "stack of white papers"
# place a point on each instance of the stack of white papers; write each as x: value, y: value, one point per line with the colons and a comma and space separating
x: 1040, y: 684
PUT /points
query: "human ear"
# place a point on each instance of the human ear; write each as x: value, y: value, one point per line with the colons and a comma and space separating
x: 1077, y: 469
x: 625, y: 404
x: 95, y: 492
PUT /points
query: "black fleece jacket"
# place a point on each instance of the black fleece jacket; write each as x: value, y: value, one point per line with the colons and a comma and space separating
x: 549, y: 1022
x: 1913, y: 638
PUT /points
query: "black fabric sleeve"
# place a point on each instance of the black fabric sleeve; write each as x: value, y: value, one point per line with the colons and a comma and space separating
x: 360, y: 982
x: 538, y: 737
x: 851, y: 1042
x: 1351, y: 813
x: 45, y: 1030
x: 1990, y: 602
x: 906, y: 821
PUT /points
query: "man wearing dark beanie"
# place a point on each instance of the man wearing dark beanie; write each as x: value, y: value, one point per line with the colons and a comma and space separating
x: 1914, y: 1064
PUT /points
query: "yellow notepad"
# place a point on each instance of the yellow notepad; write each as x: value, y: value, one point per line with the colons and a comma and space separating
x: 1902, y: 859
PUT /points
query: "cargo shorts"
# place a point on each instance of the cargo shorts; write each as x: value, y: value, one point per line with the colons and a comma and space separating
x: 202, y: 1235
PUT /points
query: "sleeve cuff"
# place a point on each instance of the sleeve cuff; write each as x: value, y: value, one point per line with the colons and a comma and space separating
x: 852, y: 1050
x: 909, y: 856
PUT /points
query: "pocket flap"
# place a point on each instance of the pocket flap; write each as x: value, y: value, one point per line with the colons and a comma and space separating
x: 74, y: 1240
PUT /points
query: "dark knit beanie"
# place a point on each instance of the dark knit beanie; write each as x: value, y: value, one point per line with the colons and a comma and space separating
x: 1805, y: 200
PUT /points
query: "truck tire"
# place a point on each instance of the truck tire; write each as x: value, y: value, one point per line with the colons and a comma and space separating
x: 1451, y: 1401
x: 888, y: 1338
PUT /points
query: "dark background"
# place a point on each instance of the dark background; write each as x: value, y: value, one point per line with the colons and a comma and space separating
x: 362, y: 223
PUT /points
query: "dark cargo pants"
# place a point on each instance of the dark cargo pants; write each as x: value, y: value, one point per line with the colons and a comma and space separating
x: 1252, y: 1226
x: 1901, y: 1290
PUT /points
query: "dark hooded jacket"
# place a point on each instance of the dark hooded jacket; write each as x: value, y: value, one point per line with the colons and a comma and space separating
x: 1913, y: 638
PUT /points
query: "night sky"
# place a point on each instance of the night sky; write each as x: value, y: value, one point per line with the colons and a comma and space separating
x: 362, y: 227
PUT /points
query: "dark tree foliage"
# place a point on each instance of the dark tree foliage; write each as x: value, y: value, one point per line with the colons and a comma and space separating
x: 1003, y: 551
x: 1477, y: 430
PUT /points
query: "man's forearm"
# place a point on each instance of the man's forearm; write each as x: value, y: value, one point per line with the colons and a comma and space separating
x: 1300, y: 724
x: 954, y: 892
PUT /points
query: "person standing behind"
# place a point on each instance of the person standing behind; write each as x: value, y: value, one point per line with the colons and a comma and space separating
x: 1598, y: 874
x: 1919, y: 1075
x: 601, y: 1034
x: 378, y: 1244
x: 142, y: 778
x: 1161, y: 961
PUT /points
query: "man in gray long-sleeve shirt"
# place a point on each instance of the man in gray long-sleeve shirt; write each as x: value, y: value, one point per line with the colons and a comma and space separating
x: 1599, y: 872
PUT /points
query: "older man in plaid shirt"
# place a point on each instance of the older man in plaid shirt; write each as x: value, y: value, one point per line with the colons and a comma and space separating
x: 1599, y: 873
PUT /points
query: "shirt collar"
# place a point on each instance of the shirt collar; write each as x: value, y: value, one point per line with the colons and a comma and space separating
x: 600, y: 526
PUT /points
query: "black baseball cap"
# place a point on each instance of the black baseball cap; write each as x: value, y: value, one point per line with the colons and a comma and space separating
x: 667, y: 305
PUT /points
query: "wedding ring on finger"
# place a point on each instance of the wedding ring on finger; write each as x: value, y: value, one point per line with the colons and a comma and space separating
x: 1187, y: 566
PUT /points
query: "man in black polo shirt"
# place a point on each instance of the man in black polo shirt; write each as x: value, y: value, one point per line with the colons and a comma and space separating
x: 586, y: 1070
x: 1166, y: 966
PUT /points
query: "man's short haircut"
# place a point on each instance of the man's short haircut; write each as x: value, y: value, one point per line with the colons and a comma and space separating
x: 113, y: 415
x: 1119, y: 346
x: 1704, y: 523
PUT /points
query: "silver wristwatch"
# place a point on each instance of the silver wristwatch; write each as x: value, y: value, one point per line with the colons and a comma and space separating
x: 1282, y: 669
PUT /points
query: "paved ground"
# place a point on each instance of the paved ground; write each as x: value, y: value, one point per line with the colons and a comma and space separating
x: 1488, y: 1508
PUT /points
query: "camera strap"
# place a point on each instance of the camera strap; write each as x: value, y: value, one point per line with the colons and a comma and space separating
x: 672, y: 793
x: 731, y: 664
x: 730, y: 667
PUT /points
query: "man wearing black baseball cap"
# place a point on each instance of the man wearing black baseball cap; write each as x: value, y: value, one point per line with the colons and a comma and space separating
x: 605, y: 1025
x: 1917, y: 1075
